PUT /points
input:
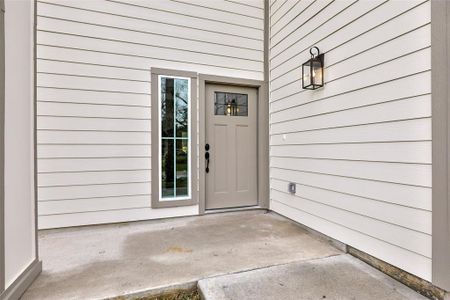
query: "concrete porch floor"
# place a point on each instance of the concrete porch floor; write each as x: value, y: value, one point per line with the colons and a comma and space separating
x: 143, y: 258
x: 111, y: 260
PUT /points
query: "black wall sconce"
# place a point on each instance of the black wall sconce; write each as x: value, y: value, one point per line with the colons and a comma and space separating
x: 312, y: 70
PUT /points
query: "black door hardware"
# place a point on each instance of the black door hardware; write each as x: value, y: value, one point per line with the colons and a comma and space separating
x: 207, y: 158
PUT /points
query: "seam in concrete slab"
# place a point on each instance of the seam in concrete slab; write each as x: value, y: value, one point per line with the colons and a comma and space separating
x: 271, y: 266
x: 237, y: 209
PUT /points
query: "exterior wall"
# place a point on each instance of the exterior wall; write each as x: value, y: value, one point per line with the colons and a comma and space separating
x: 94, y: 60
x: 359, y: 149
x: 20, y: 227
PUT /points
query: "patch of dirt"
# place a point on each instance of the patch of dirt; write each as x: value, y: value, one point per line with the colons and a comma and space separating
x: 176, y: 249
x: 180, y: 295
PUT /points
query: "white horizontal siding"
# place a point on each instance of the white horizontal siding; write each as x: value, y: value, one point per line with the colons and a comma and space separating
x: 400, y: 173
x: 61, y: 193
x: 110, y: 214
x: 94, y: 94
x: 49, y: 94
x: 92, y: 151
x: 74, y: 206
x: 92, y: 124
x: 66, y: 137
x: 371, y: 188
x: 92, y: 164
x: 359, y: 149
x: 91, y: 178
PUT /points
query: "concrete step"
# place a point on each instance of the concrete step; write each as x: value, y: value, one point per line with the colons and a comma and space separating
x: 335, y: 277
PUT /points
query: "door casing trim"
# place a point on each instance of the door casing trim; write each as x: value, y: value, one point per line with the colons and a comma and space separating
x: 262, y: 139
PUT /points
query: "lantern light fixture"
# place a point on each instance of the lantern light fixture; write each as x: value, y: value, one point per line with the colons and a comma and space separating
x: 232, y: 108
x: 312, y: 70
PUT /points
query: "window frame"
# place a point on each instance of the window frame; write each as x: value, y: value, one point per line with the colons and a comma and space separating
x: 156, y: 140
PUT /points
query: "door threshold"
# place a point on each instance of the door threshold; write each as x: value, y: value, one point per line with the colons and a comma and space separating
x: 231, y: 209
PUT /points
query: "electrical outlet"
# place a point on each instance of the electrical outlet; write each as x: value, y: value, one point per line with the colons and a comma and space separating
x: 292, y: 187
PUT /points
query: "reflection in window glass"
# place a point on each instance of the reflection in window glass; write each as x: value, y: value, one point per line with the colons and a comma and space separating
x: 175, y: 140
x: 167, y: 171
x: 181, y: 96
x: 167, y: 106
x: 182, y: 177
x: 230, y: 104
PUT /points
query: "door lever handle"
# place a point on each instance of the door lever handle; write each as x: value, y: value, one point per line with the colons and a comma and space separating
x: 207, y: 161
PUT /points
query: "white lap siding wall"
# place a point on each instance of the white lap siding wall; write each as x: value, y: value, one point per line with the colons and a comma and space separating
x: 359, y: 149
x: 93, y: 63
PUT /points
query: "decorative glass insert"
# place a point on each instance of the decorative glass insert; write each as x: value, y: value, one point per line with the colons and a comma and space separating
x: 230, y: 104
x: 174, y: 96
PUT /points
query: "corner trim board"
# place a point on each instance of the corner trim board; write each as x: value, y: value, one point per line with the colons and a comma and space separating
x: 35, y: 153
x: 2, y: 146
x: 440, y: 65
x: 266, y: 42
x: 20, y: 285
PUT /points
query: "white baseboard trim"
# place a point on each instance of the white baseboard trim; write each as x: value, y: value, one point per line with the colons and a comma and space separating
x: 21, y: 284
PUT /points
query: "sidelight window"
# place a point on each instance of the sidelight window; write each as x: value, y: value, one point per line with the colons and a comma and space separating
x: 174, y: 134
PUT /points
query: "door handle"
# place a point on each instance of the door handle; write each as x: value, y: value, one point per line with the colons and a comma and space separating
x: 207, y: 161
x: 207, y: 158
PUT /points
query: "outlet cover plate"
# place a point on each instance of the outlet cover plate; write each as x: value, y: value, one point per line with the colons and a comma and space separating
x: 292, y: 187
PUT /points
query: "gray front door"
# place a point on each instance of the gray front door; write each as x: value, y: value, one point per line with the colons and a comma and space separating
x: 231, y: 134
